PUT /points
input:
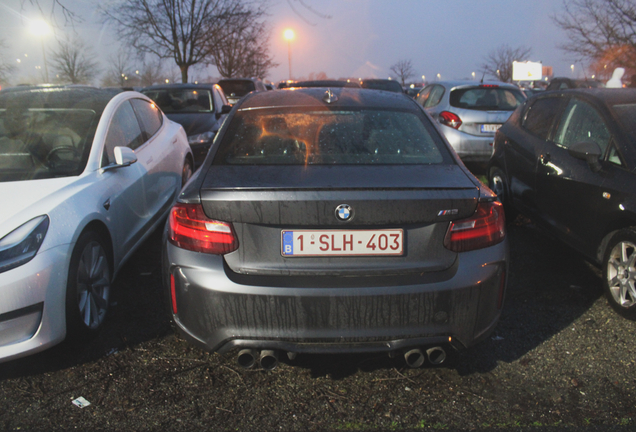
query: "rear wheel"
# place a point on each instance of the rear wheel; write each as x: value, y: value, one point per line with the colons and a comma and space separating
x: 88, y: 286
x: 499, y: 185
x: 619, y: 271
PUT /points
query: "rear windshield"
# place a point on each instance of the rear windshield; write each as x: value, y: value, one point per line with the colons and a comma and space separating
x: 237, y: 88
x: 627, y: 116
x: 182, y: 100
x: 486, y: 98
x: 321, y: 137
x: 383, y: 85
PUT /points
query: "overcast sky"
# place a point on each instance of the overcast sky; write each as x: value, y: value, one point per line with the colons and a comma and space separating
x: 362, y: 38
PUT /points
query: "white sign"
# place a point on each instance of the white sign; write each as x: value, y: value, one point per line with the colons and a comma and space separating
x: 526, y: 71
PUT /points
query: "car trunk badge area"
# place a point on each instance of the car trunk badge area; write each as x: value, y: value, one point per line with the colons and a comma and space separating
x: 448, y: 212
x: 344, y: 212
x: 329, y: 97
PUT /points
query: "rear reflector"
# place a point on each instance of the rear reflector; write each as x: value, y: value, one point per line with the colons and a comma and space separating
x: 489, y: 86
x: 450, y: 119
x: 173, y: 294
x: 485, y: 228
x: 191, y: 229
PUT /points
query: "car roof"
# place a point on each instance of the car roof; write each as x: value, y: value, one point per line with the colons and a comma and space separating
x: 222, y: 80
x: 178, y: 86
x: 314, y: 97
x: 470, y: 83
x: 83, y: 97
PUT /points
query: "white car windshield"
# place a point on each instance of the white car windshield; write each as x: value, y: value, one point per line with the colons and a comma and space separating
x: 40, y: 143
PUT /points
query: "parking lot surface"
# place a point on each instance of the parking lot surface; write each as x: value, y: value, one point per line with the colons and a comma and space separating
x: 559, y: 358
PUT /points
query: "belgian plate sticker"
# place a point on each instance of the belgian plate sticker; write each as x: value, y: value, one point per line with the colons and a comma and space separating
x: 386, y: 242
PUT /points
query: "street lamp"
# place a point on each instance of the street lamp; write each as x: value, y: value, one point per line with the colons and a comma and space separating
x: 572, y: 68
x: 473, y: 75
x: 289, y: 36
x: 41, y: 28
x: 439, y: 76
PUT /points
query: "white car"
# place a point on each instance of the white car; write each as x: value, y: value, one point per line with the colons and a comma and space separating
x: 85, y: 176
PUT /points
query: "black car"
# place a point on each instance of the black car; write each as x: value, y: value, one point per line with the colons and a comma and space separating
x: 199, y: 108
x: 334, y: 220
x: 562, y: 83
x: 382, y: 84
x: 567, y: 159
x: 325, y: 83
x: 236, y: 88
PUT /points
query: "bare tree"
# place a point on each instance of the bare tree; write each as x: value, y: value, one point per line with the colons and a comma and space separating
x: 187, y: 31
x: 73, y: 63
x: 245, y: 52
x: 403, y: 70
x: 6, y: 68
x: 151, y: 74
x: 120, y: 73
x: 498, y: 63
x: 602, y: 32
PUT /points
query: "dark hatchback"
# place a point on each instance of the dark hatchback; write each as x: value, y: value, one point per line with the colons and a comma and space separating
x: 236, y: 88
x: 334, y: 221
x: 199, y: 108
x: 567, y: 159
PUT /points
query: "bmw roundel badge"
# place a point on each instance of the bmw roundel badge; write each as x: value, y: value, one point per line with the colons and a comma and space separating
x: 344, y: 212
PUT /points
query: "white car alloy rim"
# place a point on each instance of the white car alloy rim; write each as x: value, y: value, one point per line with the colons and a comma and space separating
x: 93, y: 285
x: 621, y: 273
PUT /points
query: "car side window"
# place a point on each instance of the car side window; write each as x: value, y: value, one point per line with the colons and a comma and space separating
x: 614, y: 156
x: 123, y: 131
x: 149, y: 116
x: 435, y: 97
x: 540, y: 116
x: 421, y: 98
x: 580, y: 122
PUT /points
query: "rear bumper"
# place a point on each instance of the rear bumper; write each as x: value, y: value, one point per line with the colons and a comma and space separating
x: 469, y: 148
x: 214, y: 311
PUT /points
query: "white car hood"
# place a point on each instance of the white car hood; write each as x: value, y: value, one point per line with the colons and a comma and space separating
x: 29, y: 199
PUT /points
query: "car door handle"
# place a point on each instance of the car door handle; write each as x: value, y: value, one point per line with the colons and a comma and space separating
x: 545, y: 158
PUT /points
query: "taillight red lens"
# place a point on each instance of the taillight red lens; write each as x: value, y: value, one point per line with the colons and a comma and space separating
x: 450, y: 119
x: 485, y: 228
x: 191, y: 229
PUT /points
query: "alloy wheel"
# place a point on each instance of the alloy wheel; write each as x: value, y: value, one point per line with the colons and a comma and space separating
x: 621, y: 273
x: 93, y: 285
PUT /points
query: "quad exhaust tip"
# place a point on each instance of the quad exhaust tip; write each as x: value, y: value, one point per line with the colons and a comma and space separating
x: 247, y: 358
x: 415, y: 357
x: 268, y: 360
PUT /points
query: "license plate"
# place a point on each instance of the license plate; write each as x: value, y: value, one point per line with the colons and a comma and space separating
x: 490, y: 127
x: 342, y: 242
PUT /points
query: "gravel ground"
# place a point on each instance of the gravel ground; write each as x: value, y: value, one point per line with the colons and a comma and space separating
x: 560, y: 359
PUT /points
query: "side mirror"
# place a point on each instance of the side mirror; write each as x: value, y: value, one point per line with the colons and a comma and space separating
x: 124, y: 156
x: 588, y: 151
x: 225, y: 109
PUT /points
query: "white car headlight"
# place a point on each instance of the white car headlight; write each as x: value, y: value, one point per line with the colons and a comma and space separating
x: 20, y: 245
x: 201, y: 138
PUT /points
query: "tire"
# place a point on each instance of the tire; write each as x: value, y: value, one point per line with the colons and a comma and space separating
x: 619, y: 273
x: 499, y: 184
x: 186, y: 173
x: 88, y: 287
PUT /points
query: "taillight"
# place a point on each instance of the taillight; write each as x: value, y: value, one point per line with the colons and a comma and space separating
x: 485, y: 228
x: 489, y: 85
x: 191, y: 229
x: 450, y: 119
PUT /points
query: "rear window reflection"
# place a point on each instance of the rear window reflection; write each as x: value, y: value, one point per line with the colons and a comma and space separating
x: 486, y: 99
x: 329, y: 137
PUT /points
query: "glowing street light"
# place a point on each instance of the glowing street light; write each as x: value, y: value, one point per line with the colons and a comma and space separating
x: 572, y: 68
x: 439, y: 76
x: 41, y: 28
x: 289, y: 36
x: 473, y: 75
x: 423, y: 78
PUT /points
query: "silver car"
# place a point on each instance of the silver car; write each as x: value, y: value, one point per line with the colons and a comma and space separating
x: 334, y: 221
x: 470, y: 113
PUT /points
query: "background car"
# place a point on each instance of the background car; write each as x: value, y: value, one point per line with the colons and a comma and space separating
x: 334, y: 220
x: 325, y: 83
x: 470, y: 113
x: 199, y: 108
x: 563, y: 83
x: 236, y: 88
x: 567, y: 160
x: 382, y: 84
x: 85, y: 176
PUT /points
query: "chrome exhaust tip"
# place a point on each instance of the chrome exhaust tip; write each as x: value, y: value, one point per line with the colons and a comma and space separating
x: 268, y: 360
x: 436, y: 355
x: 414, y: 358
x: 246, y: 358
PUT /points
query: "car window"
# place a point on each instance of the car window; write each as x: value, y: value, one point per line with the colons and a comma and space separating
x: 614, y: 156
x: 626, y: 114
x: 307, y: 137
x: 487, y: 98
x: 180, y: 100
x: 580, y: 122
x: 219, y: 99
x: 435, y: 97
x: 423, y: 95
x: 539, y: 117
x: 123, y: 131
x: 149, y: 116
